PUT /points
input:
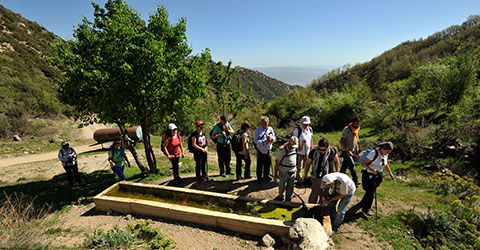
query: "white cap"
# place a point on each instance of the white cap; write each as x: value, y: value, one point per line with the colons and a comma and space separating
x: 172, y: 126
x: 327, y: 180
x: 306, y: 120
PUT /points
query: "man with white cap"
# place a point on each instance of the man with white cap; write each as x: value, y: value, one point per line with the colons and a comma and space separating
x: 286, y: 165
x: 343, y: 190
x: 305, y: 137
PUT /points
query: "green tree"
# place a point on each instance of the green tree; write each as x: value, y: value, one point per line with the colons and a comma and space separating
x: 127, y: 71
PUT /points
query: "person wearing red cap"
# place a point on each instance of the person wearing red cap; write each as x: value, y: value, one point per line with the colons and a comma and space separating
x: 199, y: 142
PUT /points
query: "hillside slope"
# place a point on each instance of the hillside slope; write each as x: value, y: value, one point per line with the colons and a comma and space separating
x: 27, y: 79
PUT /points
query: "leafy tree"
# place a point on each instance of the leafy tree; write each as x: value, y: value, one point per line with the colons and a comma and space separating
x: 127, y: 71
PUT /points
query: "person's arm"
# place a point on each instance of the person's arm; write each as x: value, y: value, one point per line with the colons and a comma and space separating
x: 307, y: 167
x: 390, y: 172
x: 181, y: 147
x: 217, y: 133
x: 230, y: 129
x: 311, y: 143
x: 345, y: 148
x: 164, y: 146
x: 336, y: 161
x: 244, y: 146
x: 366, y: 164
x: 110, y: 155
x: 337, y: 197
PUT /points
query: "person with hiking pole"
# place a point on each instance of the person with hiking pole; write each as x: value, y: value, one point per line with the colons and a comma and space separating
x: 373, y: 166
x: 68, y: 157
x: 349, y: 142
x: 171, y: 147
x: 222, y: 134
x: 200, y: 150
x: 286, y: 164
x: 304, y: 133
x: 264, y: 139
x: 343, y: 190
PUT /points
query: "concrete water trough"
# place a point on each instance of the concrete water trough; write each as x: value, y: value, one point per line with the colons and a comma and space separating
x: 241, y: 214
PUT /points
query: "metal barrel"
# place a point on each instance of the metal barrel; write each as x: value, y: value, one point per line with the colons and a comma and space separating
x: 113, y: 134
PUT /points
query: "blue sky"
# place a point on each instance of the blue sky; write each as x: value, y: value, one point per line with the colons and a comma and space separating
x: 267, y: 33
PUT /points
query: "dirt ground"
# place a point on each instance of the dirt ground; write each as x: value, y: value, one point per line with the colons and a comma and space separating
x: 83, y: 218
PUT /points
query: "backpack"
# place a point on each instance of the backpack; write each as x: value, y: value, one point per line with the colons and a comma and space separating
x: 237, y: 144
x: 299, y: 129
x: 211, y: 132
x: 364, y: 156
x: 190, y: 147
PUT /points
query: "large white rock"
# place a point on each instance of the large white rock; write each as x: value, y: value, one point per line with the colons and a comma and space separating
x: 308, y: 234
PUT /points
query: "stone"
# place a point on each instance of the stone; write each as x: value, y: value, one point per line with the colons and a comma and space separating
x: 267, y: 241
x: 308, y: 234
x: 16, y: 138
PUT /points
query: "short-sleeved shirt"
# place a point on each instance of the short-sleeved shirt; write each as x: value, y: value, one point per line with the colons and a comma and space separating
x: 287, y: 158
x: 304, y: 135
x: 117, y: 156
x: 349, y: 138
x: 244, y: 135
x: 322, y: 164
x: 173, y: 145
x: 219, y: 127
x: 343, y: 184
x: 379, y: 163
x: 201, y: 139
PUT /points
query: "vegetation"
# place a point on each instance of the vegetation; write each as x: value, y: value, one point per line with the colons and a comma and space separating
x: 139, y: 235
x: 422, y: 95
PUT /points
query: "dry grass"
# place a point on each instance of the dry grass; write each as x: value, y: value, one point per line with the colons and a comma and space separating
x: 21, y: 222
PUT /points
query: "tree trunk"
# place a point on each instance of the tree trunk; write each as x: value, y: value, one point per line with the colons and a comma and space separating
x: 152, y: 164
x: 130, y: 146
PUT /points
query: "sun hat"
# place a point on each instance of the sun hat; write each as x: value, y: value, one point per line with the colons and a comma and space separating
x: 386, y: 145
x: 293, y: 142
x: 306, y: 120
x: 198, y: 123
x: 172, y: 126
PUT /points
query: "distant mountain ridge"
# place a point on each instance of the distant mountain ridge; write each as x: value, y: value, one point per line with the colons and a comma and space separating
x: 294, y: 75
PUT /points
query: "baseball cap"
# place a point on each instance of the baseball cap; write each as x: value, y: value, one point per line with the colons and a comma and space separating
x: 172, y: 126
x: 327, y: 180
x: 198, y: 123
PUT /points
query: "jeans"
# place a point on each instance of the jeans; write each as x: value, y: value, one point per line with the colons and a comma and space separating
x: 119, y: 171
x: 200, y: 164
x: 263, y: 165
x: 336, y: 216
x: 248, y: 163
x: 349, y: 162
x: 224, y: 158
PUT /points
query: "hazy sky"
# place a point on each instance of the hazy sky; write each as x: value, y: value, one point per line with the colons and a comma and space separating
x: 265, y: 33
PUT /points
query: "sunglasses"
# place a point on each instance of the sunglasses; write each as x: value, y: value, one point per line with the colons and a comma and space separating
x: 322, y: 149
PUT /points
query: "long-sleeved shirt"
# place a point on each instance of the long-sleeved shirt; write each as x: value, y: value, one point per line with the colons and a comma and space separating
x: 260, y: 139
x: 64, y: 155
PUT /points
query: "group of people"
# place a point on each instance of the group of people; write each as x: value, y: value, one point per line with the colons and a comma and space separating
x: 295, y: 160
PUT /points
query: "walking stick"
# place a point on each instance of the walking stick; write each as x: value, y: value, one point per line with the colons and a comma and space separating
x: 376, y: 207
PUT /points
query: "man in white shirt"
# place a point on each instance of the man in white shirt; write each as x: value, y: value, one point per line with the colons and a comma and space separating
x: 305, y: 138
x: 343, y: 190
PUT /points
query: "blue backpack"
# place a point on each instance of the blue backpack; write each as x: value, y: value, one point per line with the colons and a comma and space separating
x: 364, y: 156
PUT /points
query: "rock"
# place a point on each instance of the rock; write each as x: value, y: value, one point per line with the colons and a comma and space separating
x: 267, y: 241
x: 128, y: 217
x: 308, y: 233
x: 16, y: 138
x: 25, y: 152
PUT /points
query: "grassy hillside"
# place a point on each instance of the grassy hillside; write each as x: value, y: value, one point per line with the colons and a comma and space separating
x: 27, y: 79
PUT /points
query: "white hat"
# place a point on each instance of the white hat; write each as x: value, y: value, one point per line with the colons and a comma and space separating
x: 172, y: 126
x: 306, y: 120
x: 327, y: 180
x: 293, y: 142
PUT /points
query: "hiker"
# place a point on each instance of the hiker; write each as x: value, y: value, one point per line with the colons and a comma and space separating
x: 305, y: 138
x: 68, y: 157
x: 171, y: 147
x: 222, y: 133
x: 264, y: 139
x: 349, y: 142
x: 117, y: 158
x: 286, y: 164
x: 321, y: 158
x: 199, y: 143
x: 343, y: 190
x: 243, y: 154
x: 373, y: 167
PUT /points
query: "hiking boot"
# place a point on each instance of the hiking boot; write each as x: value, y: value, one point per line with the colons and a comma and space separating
x: 205, y: 178
x: 278, y: 198
x: 248, y: 177
x: 223, y: 175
